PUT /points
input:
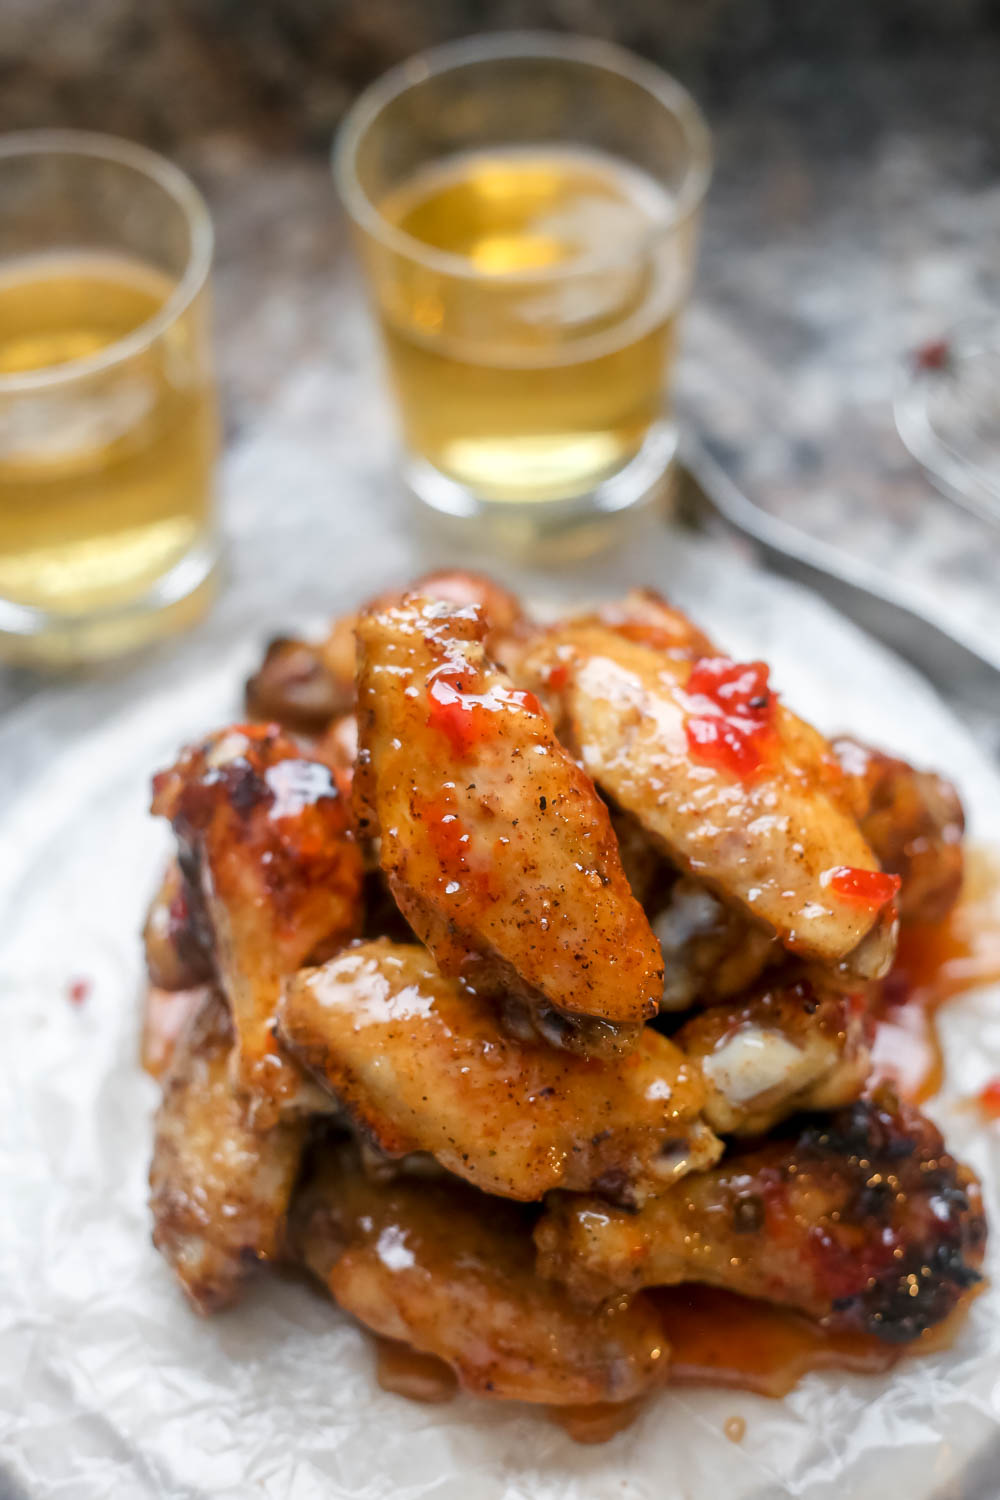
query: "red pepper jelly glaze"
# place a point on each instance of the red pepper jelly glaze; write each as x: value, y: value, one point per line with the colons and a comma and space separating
x: 466, y: 716
x: 731, y: 724
x: 870, y: 888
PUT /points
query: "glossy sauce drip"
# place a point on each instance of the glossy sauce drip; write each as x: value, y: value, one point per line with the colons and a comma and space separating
x: 935, y: 962
x: 718, y: 1338
x: 466, y: 717
x: 870, y: 888
x: 407, y: 1372
x: 598, y: 1423
x: 731, y: 722
x: 988, y: 1099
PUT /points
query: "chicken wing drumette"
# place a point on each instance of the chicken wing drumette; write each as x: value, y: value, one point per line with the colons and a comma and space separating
x: 797, y: 1043
x: 219, y: 1189
x: 736, y: 790
x: 498, y: 850
x: 451, y: 1272
x: 863, y: 1221
x: 264, y: 838
x: 421, y: 1064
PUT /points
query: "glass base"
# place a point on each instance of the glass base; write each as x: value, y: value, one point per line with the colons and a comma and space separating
x: 39, y: 638
x: 576, y: 527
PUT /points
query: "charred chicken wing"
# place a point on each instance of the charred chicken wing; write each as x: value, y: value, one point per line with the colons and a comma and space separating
x: 863, y: 1221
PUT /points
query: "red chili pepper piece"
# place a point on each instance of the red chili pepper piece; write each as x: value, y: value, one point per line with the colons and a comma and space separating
x: 461, y: 717
x: 78, y: 990
x: 735, y: 709
x: 467, y: 717
x: 721, y: 742
x: 736, y: 687
x: 873, y: 888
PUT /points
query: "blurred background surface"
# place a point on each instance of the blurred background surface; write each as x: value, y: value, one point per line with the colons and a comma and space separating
x: 854, y: 215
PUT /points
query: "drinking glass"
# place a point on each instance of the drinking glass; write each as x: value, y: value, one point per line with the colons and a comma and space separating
x: 526, y: 208
x: 108, y: 423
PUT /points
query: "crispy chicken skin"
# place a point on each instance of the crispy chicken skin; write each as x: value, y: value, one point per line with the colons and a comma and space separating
x: 645, y: 616
x: 451, y: 1272
x: 219, y: 1189
x: 264, y: 837
x: 498, y: 850
x: 863, y: 1221
x: 794, y: 1044
x: 768, y: 843
x: 421, y: 1064
x: 914, y: 822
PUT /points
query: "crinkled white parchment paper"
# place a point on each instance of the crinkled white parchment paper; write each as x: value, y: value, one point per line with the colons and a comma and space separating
x: 111, y: 1387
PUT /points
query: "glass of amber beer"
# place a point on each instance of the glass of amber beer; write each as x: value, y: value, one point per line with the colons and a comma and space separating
x: 108, y: 430
x: 526, y: 208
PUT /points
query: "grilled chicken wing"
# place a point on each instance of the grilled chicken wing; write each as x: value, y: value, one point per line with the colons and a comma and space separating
x: 863, y: 1221
x: 498, y: 850
x: 451, y: 1272
x: 264, y: 837
x: 794, y: 1045
x: 219, y: 1190
x: 423, y: 1065
x: 914, y: 822
x: 746, y: 797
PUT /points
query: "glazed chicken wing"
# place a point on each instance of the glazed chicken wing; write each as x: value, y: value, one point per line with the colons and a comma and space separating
x: 863, y: 1221
x: 264, y: 837
x: 421, y: 1064
x: 219, y: 1189
x: 793, y: 1045
x: 498, y: 850
x: 739, y: 792
x: 451, y: 1272
x: 914, y: 822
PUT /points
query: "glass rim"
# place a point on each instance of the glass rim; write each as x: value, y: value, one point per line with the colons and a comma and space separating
x: 176, y: 184
x: 451, y: 56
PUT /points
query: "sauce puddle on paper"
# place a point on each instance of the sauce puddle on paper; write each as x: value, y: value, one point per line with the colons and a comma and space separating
x: 935, y: 962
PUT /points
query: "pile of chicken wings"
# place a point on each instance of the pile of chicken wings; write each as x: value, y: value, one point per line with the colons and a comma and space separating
x: 508, y: 970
